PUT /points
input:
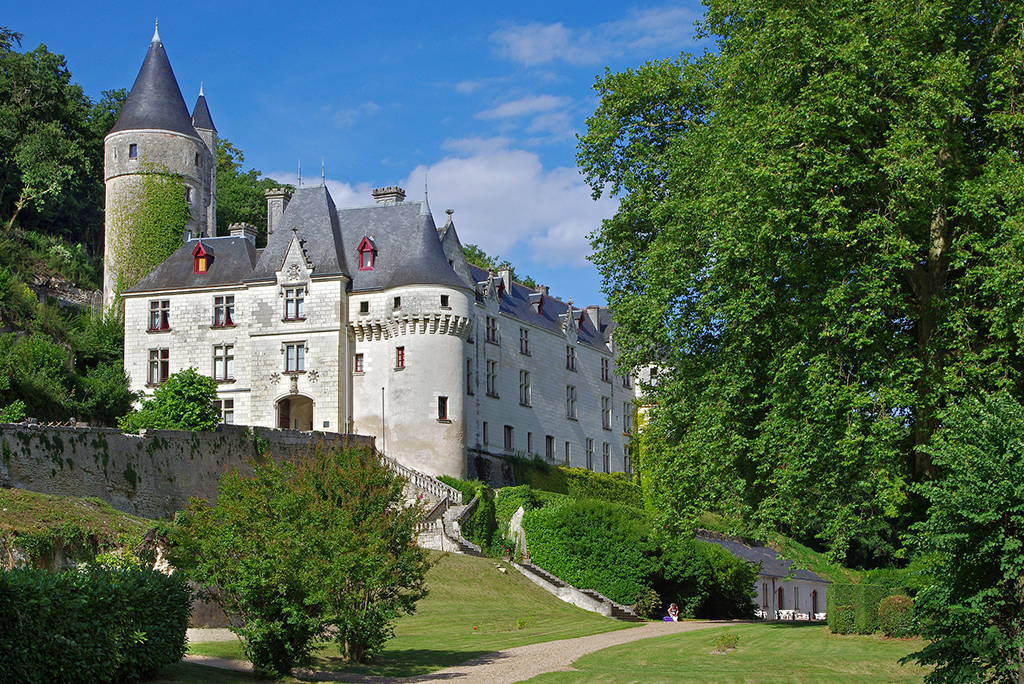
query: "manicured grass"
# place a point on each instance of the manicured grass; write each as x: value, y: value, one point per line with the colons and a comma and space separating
x: 472, y: 609
x: 780, y: 653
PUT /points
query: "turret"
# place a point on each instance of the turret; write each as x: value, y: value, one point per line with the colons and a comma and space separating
x: 203, y: 123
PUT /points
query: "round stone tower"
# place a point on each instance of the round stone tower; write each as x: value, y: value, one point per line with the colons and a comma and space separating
x: 155, y: 148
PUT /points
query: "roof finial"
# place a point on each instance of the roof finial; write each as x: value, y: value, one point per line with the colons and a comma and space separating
x: 200, y: 89
x: 323, y: 176
x: 156, y: 32
x: 300, y: 173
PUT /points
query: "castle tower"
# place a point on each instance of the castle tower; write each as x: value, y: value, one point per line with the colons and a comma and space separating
x: 154, y: 157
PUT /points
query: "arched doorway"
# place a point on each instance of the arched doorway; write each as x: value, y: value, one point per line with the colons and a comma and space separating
x: 780, y: 604
x: 295, y: 412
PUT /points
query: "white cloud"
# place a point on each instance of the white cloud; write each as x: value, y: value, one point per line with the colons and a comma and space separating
x: 524, y: 106
x: 537, y: 43
x: 506, y: 202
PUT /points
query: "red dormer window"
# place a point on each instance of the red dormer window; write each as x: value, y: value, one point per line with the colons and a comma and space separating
x: 202, y: 258
x: 366, y: 250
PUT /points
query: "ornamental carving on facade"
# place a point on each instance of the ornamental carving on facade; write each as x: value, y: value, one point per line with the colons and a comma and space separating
x: 275, y: 378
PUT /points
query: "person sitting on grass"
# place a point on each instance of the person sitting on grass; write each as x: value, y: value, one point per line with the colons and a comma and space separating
x: 673, y: 614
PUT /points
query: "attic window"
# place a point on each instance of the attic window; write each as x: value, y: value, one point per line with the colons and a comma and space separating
x: 202, y: 257
x: 366, y: 251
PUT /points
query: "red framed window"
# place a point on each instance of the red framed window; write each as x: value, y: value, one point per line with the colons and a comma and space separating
x: 223, y: 311
x: 359, y: 363
x: 202, y: 257
x: 294, y: 304
x: 366, y: 251
x: 399, y: 357
x: 159, y: 365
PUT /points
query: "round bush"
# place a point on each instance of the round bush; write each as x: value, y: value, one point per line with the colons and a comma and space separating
x: 896, y: 616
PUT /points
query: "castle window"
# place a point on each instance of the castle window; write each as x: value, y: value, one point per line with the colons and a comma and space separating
x: 227, y: 410
x: 568, y: 450
x: 294, y: 304
x: 223, y: 311
x: 188, y: 194
x: 529, y: 443
x: 295, y: 358
x: 627, y: 382
x: 469, y: 377
x: 485, y: 433
x: 133, y: 151
x: 510, y: 438
x: 606, y: 456
x: 359, y: 363
x: 364, y: 307
x: 627, y: 418
x: 492, y: 329
x: 627, y: 460
x: 398, y: 303
x: 605, y: 370
x: 549, y: 447
x: 197, y: 159
x: 442, y: 408
x: 223, y: 362
x: 399, y: 357
x: 570, y: 357
x: 590, y: 454
x: 203, y: 256
x: 160, y: 315
x: 492, y: 378
x: 159, y: 365
x: 606, y: 413
x: 524, y: 341
x: 445, y: 299
x: 366, y: 250
x: 570, y: 402
x: 524, y: 388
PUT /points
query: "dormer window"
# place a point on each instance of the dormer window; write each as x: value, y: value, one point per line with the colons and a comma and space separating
x: 202, y: 257
x: 367, y: 251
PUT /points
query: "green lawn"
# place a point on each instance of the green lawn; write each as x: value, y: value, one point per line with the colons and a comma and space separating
x: 768, y: 653
x: 472, y: 609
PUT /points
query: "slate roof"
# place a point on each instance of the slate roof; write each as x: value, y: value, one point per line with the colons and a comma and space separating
x: 233, y: 260
x: 409, y: 250
x: 771, y: 564
x: 312, y: 213
x: 155, y: 101
x: 516, y: 303
x: 201, y: 114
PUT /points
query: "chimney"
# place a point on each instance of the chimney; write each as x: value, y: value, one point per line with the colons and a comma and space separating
x: 544, y: 290
x: 506, y: 278
x: 594, y: 314
x: 243, y: 230
x: 277, y: 202
x: 389, y: 195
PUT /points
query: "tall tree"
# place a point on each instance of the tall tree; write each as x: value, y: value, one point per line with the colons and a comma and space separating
x: 819, y: 246
x: 240, y: 195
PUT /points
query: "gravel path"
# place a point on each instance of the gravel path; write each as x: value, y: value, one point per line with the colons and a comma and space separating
x: 503, y: 667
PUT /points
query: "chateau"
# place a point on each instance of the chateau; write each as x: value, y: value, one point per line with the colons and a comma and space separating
x: 364, y: 319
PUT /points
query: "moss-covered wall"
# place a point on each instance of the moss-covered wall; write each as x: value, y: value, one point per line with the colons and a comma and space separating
x: 150, y: 475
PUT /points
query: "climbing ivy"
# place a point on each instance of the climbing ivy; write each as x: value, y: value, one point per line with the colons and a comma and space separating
x: 148, y: 226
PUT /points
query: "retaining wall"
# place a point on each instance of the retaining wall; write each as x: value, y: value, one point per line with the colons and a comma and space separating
x: 150, y: 475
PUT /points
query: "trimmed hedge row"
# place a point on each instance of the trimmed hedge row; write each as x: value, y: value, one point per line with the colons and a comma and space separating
x: 90, y: 624
x: 864, y: 600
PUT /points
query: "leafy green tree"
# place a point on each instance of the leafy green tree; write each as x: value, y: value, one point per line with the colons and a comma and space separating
x: 972, y: 610
x: 479, y: 257
x: 819, y: 247
x: 182, y: 402
x: 307, y: 549
x: 240, y: 195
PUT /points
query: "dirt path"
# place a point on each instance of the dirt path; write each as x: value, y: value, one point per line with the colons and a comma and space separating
x: 503, y: 667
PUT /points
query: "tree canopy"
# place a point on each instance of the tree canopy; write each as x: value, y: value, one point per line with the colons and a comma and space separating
x: 240, y: 195
x: 482, y: 259
x: 184, y: 401
x: 819, y: 246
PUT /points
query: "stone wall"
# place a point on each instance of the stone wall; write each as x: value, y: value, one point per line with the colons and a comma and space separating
x: 150, y: 475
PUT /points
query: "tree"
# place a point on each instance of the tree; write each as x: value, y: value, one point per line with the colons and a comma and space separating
x: 183, y: 402
x: 972, y: 610
x: 240, y: 196
x: 480, y: 258
x: 302, y: 550
x: 819, y: 245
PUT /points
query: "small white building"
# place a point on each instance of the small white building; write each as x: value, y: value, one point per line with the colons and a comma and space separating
x: 365, y: 319
x: 783, y: 592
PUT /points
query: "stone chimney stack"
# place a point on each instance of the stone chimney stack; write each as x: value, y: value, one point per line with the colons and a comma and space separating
x: 243, y: 230
x: 389, y: 195
x: 506, y: 278
x: 277, y: 202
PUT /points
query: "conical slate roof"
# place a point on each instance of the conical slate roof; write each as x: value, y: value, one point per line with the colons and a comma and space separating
x: 201, y: 114
x: 155, y: 101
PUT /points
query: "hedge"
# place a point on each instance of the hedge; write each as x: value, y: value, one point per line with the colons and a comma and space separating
x: 611, y: 487
x: 896, y: 616
x: 480, y: 526
x: 863, y: 597
x: 90, y: 624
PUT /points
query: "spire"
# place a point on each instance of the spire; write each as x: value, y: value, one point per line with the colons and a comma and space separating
x: 201, y: 113
x: 155, y: 101
x: 156, y: 32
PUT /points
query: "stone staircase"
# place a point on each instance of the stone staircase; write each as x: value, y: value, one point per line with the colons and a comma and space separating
x: 588, y: 599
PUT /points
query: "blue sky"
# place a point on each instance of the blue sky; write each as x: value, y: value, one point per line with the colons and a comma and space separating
x: 482, y: 100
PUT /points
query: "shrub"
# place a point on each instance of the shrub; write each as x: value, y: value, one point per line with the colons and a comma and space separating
x: 610, y: 487
x: 648, y: 603
x: 183, y: 402
x: 90, y: 624
x: 896, y: 616
x: 845, y: 619
x: 726, y: 642
x: 863, y: 597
